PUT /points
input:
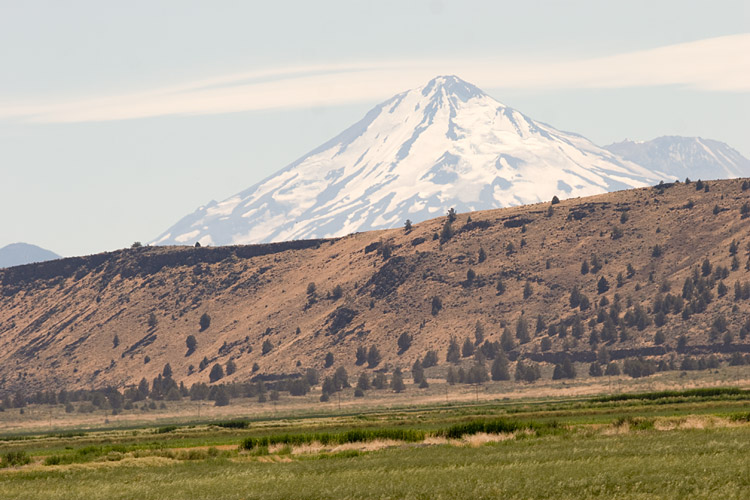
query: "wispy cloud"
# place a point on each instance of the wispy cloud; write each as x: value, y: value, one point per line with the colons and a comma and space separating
x: 713, y: 65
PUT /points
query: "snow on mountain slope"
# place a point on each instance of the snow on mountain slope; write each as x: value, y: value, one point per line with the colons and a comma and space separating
x: 446, y: 144
x: 681, y: 157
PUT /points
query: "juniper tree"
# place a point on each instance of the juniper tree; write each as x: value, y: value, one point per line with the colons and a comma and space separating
x: 468, y: 348
x: 478, y: 333
x: 397, y: 381
x: 506, y: 341
x: 205, y: 321
x: 191, y: 343
x: 595, y: 369
x: 540, y: 326
x: 379, y: 381
x: 546, y: 344
x: 613, y: 369
x: 217, y: 372
x: 312, y: 376
x: 454, y: 353
x: 417, y: 372
x: 522, y: 330
x: 266, y: 347
x: 437, y: 305
x: 499, y: 370
x: 527, y: 372
x: 404, y: 342
x: 575, y: 297
x: 360, y: 355
x: 451, y: 377
x: 430, y: 359
x: 221, y: 397
x: 482, y: 255
x: 152, y: 321
x: 341, y: 378
x: 373, y: 357
x: 363, y: 382
x: 447, y: 232
x: 585, y: 267
x: 477, y: 374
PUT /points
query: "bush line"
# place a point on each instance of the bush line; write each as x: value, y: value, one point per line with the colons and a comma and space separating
x: 706, y: 392
x: 498, y: 426
x: 233, y: 424
x: 457, y: 431
x: 328, y: 438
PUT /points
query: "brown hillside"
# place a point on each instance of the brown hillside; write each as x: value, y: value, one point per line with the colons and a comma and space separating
x: 58, y: 320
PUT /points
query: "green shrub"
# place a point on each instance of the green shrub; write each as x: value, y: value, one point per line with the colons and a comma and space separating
x: 636, y: 423
x: 740, y: 417
x: 234, y: 424
x: 497, y: 426
x: 15, y: 458
x: 327, y: 438
x: 706, y: 392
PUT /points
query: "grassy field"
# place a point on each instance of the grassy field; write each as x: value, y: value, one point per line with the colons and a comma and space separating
x: 678, y: 445
x: 54, y: 419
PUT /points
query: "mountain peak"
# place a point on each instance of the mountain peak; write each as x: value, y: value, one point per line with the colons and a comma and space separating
x: 452, y: 86
x: 444, y: 145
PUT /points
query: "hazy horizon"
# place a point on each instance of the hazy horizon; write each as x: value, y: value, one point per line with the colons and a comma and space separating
x: 116, y: 121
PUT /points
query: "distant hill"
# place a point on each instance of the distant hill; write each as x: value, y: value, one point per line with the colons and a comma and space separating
x: 17, y: 254
x: 660, y: 272
x: 682, y: 157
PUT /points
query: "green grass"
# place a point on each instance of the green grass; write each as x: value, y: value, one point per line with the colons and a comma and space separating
x: 644, y: 465
x: 562, y: 448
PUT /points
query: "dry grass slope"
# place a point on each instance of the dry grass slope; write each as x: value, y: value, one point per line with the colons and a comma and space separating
x: 84, y: 322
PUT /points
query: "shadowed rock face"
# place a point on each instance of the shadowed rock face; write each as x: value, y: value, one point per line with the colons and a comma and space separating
x: 58, y: 319
x: 446, y: 144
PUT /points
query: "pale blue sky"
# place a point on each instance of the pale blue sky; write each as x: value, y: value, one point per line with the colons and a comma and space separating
x: 118, y: 118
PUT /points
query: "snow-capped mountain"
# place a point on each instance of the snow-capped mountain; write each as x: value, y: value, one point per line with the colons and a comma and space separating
x: 681, y: 157
x: 446, y: 144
